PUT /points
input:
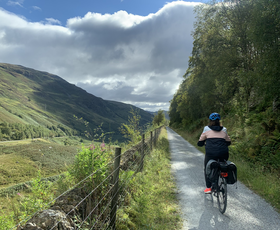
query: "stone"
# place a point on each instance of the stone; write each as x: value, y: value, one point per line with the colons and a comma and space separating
x: 50, y: 219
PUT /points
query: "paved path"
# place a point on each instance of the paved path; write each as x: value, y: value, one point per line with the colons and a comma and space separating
x: 245, y: 209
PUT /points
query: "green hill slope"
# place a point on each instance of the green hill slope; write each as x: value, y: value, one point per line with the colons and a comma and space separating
x: 32, y: 97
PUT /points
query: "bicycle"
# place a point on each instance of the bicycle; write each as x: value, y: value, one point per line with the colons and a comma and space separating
x: 219, y: 187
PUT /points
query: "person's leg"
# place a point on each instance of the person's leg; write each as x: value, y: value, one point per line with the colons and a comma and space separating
x: 207, y: 181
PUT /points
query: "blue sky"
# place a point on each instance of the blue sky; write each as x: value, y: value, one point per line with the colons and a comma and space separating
x: 133, y: 51
x: 39, y: 10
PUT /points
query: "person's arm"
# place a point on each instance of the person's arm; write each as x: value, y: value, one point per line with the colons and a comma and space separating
x: 228, y: 140
x: 201, y: 140
x: 200, y: 143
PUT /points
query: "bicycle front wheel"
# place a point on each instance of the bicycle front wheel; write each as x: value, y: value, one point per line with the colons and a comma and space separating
x: 222, y: 194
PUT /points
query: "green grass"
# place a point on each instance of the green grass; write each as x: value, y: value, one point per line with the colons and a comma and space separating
x: 152, y: 203
x: 20, y: 160
x: 266, y: 184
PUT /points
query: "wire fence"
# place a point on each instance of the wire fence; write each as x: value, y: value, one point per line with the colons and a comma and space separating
x: 97, y: 208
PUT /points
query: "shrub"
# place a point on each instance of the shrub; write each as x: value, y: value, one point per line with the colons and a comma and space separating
x: 89, y: 160
x: 92, y: 163
x: 6, y: 222
x: 41, y: 195
x: 132, y: 131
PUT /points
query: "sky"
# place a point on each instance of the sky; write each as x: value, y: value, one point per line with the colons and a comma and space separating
x: 131, y: 51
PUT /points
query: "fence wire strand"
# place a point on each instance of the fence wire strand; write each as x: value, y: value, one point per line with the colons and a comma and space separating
x: 76, y: 185
x: 86, y: 197
x: 136, y: 164
x: 103, y: 223
x: 121, y: 187
x: 89, y: 195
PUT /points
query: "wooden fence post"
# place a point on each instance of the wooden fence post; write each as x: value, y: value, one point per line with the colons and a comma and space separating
x: 115, y: 188
x: 142, y: 153
x: 151, y: 140
x: 156, y: 139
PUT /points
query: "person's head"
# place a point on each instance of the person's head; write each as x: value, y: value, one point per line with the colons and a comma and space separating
x: 214, y: 119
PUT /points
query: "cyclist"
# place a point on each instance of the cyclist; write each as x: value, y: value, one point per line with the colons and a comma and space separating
x: 216, y: 141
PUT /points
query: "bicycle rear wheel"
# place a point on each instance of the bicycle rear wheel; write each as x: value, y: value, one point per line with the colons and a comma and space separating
x: 222, y: 194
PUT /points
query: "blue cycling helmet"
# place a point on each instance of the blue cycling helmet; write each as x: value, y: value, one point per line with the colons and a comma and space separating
x: 214, y: 116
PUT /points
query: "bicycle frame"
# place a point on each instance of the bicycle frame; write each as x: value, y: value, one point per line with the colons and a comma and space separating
x: 219, y: 189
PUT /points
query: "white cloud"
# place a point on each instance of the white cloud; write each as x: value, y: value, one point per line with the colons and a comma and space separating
x: 119, y: 19
x: 36, y: 8
x: 15, y: 3
x: 122, y: 57
x: 53, y: 21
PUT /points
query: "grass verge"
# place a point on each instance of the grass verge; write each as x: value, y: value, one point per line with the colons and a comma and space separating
x: 266, y: 184
x: 152, y: 202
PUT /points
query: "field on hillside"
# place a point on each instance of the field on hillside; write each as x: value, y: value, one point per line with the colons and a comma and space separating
x: 21, y: 160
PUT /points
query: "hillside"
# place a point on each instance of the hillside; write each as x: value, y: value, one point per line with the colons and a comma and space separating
x: 31, y: 97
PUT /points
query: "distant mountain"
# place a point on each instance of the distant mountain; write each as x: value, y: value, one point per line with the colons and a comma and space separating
x: 32, y: 97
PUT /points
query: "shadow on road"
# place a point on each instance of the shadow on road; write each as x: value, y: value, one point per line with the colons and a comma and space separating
x: 211, y: 216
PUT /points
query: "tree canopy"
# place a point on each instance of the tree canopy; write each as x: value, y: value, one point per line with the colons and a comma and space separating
x: 234, y: 70
x: 159, y: 118
x: 235, y: 66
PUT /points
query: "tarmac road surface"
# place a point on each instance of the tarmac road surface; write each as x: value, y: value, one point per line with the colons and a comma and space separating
x: 245, y: 209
